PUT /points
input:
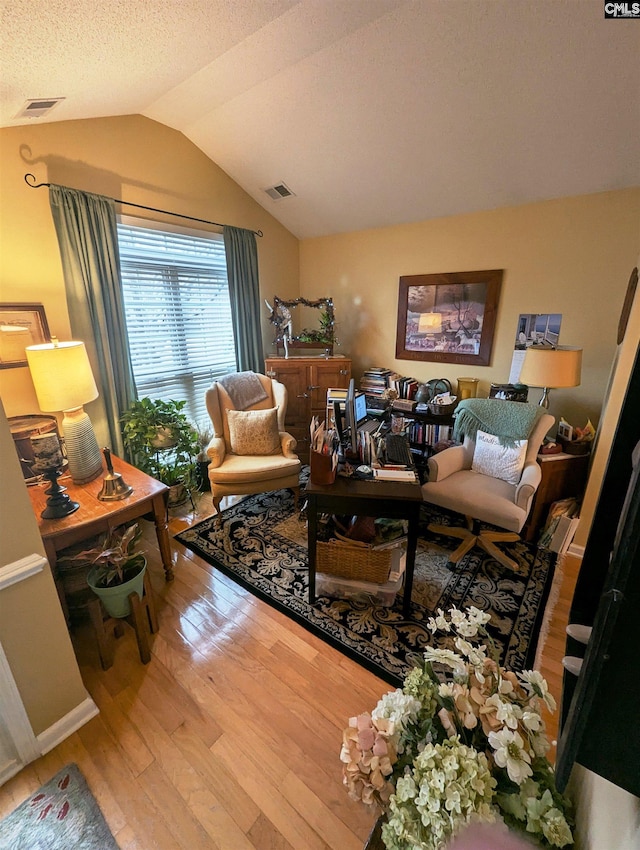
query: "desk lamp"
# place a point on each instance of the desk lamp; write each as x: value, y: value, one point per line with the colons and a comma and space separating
x: 551, y: 368
x: 63, y: 380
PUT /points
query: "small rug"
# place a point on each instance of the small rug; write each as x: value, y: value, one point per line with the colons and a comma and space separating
x: 62, y: 814
x: 261, y: 544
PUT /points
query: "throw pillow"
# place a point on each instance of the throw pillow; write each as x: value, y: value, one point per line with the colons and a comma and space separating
x: 254, y: 432
x: 491, y: 458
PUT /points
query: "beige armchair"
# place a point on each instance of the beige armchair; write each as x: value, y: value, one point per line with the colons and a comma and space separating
x: 234, y: 469
x: 454, y: 485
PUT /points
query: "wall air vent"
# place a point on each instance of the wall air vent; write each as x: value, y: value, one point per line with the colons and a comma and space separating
x: 279, y: 191
x: 38, y: 108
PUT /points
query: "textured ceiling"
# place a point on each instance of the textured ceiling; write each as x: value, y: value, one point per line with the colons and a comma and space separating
x: 374, y: 112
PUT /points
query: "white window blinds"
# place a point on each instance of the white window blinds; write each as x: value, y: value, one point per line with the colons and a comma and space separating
x: 178, y: 313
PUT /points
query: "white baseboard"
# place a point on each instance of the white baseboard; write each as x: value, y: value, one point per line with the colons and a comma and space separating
x: 67, y: 725
x: 576, y: 551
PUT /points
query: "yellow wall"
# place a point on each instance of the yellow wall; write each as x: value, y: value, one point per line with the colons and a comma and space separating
x: 572, y: 256
x: 33, y: 632
x: 128, y: 157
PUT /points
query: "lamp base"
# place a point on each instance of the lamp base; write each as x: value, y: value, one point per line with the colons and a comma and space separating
x: 83, y: 454
x: 544, y: 401
x: 59, y: 504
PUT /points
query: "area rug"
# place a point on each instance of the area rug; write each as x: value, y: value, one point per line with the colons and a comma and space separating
x: 262, y: 544
x: 61, y: 814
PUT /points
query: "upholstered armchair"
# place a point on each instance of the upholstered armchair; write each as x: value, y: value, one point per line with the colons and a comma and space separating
x: 250, y: 451
x: 488, y: 480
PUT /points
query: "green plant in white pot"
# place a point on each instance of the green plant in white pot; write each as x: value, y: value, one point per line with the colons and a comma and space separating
x: 118, y: 569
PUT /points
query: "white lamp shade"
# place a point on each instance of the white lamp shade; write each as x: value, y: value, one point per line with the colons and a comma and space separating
x: 61, y: 375
x: 430, y: 323
x: 551, y: 367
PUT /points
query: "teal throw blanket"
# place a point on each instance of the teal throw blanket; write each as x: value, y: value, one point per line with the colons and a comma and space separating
x: 510, y: 421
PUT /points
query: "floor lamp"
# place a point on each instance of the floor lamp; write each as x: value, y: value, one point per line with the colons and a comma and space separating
x: 551, y: 368
x: 63, y: 380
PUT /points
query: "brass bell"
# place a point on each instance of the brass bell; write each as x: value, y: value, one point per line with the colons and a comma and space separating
x: 113, y: 486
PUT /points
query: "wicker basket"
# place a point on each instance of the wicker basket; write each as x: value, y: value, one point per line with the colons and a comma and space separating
x: 442, y: 409
x: 353, y: 560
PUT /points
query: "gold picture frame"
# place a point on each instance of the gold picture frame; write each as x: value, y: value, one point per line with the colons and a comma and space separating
x: 448, y: 318
x: 20, y: 325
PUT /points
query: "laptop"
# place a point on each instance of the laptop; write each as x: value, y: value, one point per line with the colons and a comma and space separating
x: 364, y: 422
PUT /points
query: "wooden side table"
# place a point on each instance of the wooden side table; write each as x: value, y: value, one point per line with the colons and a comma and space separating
x: 149, y: 499
x: 563, y: 475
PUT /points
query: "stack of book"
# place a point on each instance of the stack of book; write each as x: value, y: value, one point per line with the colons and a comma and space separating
x: 561, y: 525
x: 374, y: 381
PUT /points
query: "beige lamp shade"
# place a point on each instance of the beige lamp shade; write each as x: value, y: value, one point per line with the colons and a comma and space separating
x: 551, y: 367
x: 430, y: 323
x: 61, y: 375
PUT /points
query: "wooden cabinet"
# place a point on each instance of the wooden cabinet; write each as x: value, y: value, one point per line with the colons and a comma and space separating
x: 563, y: 475
x: 307, y: 380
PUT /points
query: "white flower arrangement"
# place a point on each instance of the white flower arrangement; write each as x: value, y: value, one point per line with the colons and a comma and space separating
x: 460, y: 746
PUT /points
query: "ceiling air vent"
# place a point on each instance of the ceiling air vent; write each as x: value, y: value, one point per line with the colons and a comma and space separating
x: 279, y: 191
x: 38, y: 108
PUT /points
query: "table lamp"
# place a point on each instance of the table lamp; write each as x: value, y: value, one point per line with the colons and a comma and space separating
x: 63, y: 380
x: 551, y: 368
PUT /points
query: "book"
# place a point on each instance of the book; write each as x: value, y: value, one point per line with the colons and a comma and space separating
x: 394, y: 474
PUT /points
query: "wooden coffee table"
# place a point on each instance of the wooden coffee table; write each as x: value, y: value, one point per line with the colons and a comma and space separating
x: 149, y: 499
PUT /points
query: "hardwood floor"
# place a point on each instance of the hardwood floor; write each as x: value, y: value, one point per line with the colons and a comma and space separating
x: 229, y: 737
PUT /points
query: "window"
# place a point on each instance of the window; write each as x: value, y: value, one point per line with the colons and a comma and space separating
x: 178, y: 313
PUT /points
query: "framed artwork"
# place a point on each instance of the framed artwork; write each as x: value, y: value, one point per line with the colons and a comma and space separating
x: 448, y: 318
x: 20, y: 325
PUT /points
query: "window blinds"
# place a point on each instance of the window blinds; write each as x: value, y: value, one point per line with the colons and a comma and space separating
x: 178, y: 313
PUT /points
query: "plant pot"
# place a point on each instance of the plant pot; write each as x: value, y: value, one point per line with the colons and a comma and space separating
x: 178, y: 494
x: 116, y: 598
x: 202, y: 475
x: 165, y: 439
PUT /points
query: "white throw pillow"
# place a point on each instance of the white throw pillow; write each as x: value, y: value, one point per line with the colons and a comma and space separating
x: 254, y: 432
x: 491, y: 458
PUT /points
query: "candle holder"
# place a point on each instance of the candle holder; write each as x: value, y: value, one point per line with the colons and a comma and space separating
x: 59, y: 503
x: 48, y: 461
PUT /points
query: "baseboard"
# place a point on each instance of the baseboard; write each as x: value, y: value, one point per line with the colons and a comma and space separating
x: 576, y: 551
x: 67, y: 725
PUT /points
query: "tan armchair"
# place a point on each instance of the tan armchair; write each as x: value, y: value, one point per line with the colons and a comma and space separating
x: 455, y: 486
x: 233, y: 474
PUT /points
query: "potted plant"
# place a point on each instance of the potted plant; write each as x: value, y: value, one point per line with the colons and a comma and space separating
x: 162, y: 442
x: 117, y: 570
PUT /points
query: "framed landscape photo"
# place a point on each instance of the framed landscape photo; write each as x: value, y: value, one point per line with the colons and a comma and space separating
x: 20, y: 325
x: 448, y: 318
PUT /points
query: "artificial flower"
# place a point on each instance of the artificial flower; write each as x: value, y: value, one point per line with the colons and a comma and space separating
x: 455, y: 746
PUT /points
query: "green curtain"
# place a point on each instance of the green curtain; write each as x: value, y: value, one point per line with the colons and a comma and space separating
x: 87, y: 235
x: 244, y: 292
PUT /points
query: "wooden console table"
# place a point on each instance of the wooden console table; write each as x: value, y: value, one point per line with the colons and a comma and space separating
x: 357, y: 497
x: 149, y: 499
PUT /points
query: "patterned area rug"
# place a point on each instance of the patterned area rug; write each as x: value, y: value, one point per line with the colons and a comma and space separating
x: 262, y: 545
x: 61, y: 814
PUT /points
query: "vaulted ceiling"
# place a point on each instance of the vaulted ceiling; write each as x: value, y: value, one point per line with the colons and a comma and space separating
x: 372, y: 112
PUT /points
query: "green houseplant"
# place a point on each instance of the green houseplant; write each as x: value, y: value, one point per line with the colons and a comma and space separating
x: 161, y: 442
x: 117, y: 568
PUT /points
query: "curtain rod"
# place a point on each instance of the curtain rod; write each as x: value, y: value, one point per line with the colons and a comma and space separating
x: 35, y: 185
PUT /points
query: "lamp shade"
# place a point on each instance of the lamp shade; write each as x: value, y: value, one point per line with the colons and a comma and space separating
x: 430, y: 323
x: 61, y: 375
x: 551, y: 367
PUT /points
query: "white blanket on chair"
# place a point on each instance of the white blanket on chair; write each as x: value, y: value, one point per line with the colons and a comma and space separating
x: 244, y: 389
